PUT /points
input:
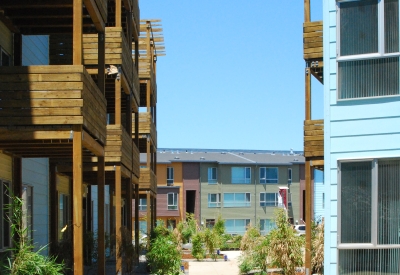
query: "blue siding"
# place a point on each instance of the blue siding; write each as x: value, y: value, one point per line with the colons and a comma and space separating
x: 362, y: 128
x: 319, y: 193
x: 35, y: 50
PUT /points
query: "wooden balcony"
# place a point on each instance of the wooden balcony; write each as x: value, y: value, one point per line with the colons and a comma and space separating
x: 118, y: 147
x: 312, y: 40
x: 146, y: 71
x: 314, y: 138
x: 146, y: 127
x: 117, y: 53
x: 51, y: 97
x: 148, y: 180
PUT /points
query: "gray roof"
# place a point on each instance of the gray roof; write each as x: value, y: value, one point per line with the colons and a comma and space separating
x: 243, y: 157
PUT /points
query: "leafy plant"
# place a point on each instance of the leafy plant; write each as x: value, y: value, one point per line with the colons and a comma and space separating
x: 24, y: 260
x: 317, y: 260
x: 164, y: 257
x: 198, y: 250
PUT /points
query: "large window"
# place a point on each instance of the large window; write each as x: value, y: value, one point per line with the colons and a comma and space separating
x: 268, y: 175
x: 241, y: 175
x: 236, y: 226
x: 214, y: 200
x: 369, y: 215
x: 268, y: 199
x: 142, y: 204
x: 212, y: 175
x: 266, y: 225
x: 172, y: 201
x: 170, y: 176
x: 4, y: 212
x: 236, y: 199
x: 368, y: 57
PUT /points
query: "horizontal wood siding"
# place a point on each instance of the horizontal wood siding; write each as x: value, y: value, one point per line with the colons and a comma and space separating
x: 118, y: 146
x: 312, y: 40
x: 147, y: 180
x: 5, y: 167
x: 314, y: 138
x: 146, y: 126
x: 51, y: 95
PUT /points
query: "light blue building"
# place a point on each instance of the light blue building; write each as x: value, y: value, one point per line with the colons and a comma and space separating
x: 362, y: 136
x: 319, y: 195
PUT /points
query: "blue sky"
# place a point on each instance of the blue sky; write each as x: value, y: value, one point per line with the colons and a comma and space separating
x: 233, y: 74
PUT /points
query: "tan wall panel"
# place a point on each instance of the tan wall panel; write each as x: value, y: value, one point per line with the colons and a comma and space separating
x: 5, y: 167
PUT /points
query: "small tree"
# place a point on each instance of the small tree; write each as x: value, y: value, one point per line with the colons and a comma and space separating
x: 283, y: 245
x: 317, y: 260
x: 249, y: 259
x: 164, y: 256
x: 198, y: 250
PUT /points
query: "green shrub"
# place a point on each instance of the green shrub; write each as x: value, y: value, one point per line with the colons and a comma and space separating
x: 198, y: 250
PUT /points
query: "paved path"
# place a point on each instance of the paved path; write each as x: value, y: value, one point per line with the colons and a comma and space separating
x: 229, y: 267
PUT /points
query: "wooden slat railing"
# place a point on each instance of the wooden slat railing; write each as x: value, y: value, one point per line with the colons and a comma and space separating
x: 312, y: 40
x: 147, y: 180
x: 51, y: 95
x: 314, y: 138
x: 146, y: 126
x: 119, y: 146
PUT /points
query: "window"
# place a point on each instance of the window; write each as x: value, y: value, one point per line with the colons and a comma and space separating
x: 266, y: 225
x: 236, y: 199
x: 241, y: 175
x: 5, y: 59
x: 210, y: 223
x: 289, y: 175
x: 212, y: 175
x: 237, y: 226
x: 142, y: 204
x: 268, y: 175
x: 214, y: 200
x: 170, y: 176
x: 369, y: 215
x: 368, y: 55
x: 5, y: 212
x: 268, y: 199
x: 172, y: 201
x: 27, y: 211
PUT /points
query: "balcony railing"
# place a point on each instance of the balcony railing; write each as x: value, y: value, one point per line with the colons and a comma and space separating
x: 48, y: 96
x: 146, y: 126
x: 313, y: 138
x: 312, y: 40
x: 119, y: 146
x: 148, y: 180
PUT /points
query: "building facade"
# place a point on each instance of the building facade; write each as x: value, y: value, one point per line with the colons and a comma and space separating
x: 362, y: 167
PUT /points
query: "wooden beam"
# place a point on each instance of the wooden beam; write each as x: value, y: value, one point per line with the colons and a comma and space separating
x: 77, y: 201
x: 118, y: 15
x: 149, y: 216
x: 101, y: 205
x: 118, y: 101
x: 53, y: 208
x: 308, y: 171
x: 118, y: 218
x: 77, y: 32
x: 6, y: 134
x: 137, y: 246
x: 101, y: 81
x: 91, y: 144
x: 95, y: 15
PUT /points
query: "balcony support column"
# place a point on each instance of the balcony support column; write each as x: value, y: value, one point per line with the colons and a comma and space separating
x: 308, y: 176
x: 100, y: 209
x: 101, y: 58
x: 118, y: 218
x: 149, y: 212
x: 117, y: 102
x: 137, y: 250
x: 77, y: 32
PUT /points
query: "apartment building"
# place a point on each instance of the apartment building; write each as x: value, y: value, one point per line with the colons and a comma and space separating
x: 362, y: 115
x: 243, y: 187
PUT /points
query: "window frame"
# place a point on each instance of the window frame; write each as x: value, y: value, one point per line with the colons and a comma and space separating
x: 374, y: 206
x: 267, y: 203
x: 175, y: 198
x: 247, y: 222
x: 217, y: 202
x: 170, y: 176
x: 380, y: 54
x: 247, y: 172
x: 266, y: 179
x: 246, y: 203
x: 212, y: 180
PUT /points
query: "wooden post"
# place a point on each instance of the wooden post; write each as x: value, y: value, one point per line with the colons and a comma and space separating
x: 128, y: 113
x: 118, y: 11
x: 117, y: 101
x: 100, y: 209
x: 307, y: 11
x: 118, y: 236
x: 77, y: 32
x: 129, y: 204
x: 77, y: 201
x: 137, y: 222
x: 102, y: 63
x: 149, y: 204
x: 17, y: 177
x: 137, y: 129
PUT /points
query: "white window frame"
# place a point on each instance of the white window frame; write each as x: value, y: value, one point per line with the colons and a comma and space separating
x: 356, y: 57
x: 212, y: 180
x: 174, y: 205
x: 265, y: 179
x: 265, y: 203
x: 170, y: 176
x: 247, y: 203
x: 215, y: 204
x: 142, y: 204
x: 247, y: 176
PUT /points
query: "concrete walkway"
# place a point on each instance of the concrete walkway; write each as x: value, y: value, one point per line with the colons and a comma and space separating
x: 219, y: 267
